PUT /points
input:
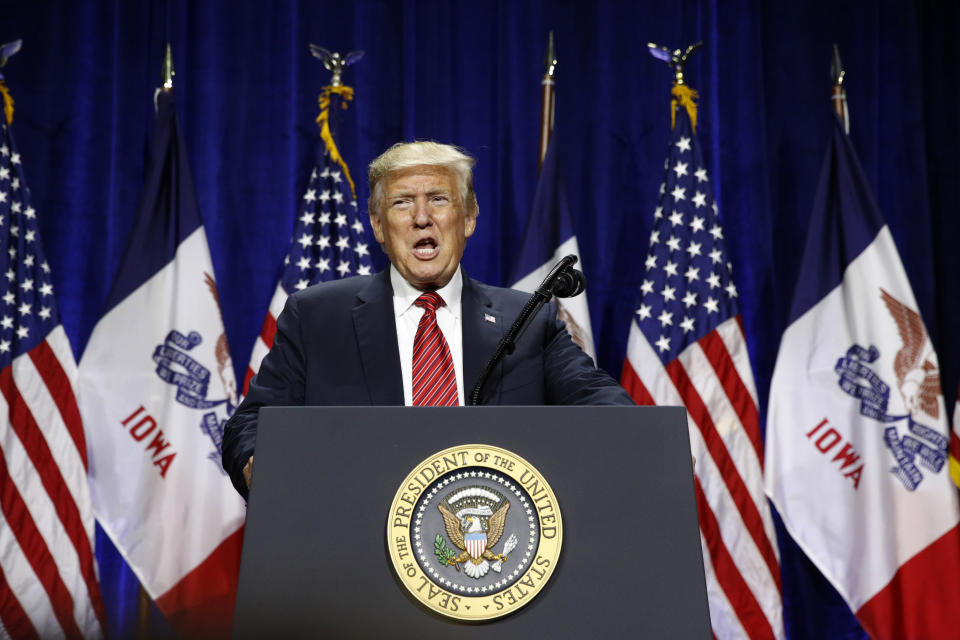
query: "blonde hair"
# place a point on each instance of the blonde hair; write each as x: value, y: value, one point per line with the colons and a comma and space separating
x: 403, y: 155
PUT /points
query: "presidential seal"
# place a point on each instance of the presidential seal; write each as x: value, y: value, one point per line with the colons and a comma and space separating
x: 474, y: 532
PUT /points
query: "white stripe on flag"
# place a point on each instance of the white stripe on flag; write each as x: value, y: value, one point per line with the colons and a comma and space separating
x: 54, y: 430
x: 726, y: 625
x: 646, y: 363
x: 24, y: 584
x: 749, y: 562
x: 27, y: 481
x: 747, y: 557
x: 60, y: 344
x: 260, y: 351
x: 736, y: 344
x: 735, y: 439
x: 43, y: 408
x: 277, y: 302
x: 261, y: 348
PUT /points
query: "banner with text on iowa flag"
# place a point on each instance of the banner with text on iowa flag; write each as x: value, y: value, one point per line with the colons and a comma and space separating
x: 857, y: 434
x: 156, y: 385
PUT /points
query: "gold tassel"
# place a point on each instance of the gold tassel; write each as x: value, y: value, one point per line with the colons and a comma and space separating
x: 323, y: 120
x: 7, y: 102
x: 684, y: 96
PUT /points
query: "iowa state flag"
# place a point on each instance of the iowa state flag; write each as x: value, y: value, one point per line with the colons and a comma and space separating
x: 156, y: 385
x: 549, y: 237
x: 857, y: 435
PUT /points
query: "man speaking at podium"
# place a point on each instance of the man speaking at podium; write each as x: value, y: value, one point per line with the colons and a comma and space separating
x: 420, y: 332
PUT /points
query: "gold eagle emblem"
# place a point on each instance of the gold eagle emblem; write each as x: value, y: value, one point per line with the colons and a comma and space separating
x: 474, y: 518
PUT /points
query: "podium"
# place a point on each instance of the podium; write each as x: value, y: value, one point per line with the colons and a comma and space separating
x: 316, y: 559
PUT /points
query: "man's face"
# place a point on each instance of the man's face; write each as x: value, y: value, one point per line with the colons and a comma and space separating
x: 422, y: 224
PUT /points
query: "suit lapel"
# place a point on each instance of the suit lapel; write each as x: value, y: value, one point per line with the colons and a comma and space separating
x: 482, y: 327
x: 376, y: 328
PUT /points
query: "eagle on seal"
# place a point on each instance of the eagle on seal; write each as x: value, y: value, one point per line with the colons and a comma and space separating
x: 474, y: 518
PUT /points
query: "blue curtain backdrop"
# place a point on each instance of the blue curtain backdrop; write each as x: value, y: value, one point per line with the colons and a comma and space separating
x: 468, y: 72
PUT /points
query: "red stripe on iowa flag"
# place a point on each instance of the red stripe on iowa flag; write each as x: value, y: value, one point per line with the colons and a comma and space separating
x: 922, y: 598
x: 201, y: 605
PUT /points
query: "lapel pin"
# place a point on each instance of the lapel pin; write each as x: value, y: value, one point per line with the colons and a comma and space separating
x: 489, y: 318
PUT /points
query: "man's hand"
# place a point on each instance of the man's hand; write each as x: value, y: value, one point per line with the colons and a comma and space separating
x: 248, y: 471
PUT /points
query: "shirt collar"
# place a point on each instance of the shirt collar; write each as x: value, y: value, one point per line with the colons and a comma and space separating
x: 405, y: 294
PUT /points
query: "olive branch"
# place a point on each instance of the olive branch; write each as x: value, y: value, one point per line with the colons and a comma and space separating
x: 444, y: 553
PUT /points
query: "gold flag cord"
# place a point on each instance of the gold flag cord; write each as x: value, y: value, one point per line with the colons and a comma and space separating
x: 323, y: 120
x: 7, y: 102
x: 683, y: 96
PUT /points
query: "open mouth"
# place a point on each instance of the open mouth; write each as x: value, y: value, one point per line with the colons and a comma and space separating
x: 426, y: 248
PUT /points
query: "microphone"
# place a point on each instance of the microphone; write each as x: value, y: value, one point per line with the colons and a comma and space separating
x: 571, y: 282
x: 563, y: 281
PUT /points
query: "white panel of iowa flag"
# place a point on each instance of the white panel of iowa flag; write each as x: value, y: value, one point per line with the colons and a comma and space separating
x: 48, y: 576
x: 686, y: 347
x: 857, y: 430
x: 328, y: 239
x: 156, y: 385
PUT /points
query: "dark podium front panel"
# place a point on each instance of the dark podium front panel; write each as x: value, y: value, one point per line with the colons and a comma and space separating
x: 315, y: 560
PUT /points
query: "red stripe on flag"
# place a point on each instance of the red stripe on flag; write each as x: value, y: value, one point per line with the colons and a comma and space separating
x: 12, y: 615
x: 738, y: 592
x: 728, y: 470
x: 55, y: 378
x: 630, y: 381
x: 921, y: 599
x: 246, y: 380
x: 36, y: 551
x: 201, y: 604
x: 269, y: 330
x: 738, y: 394
x: 27, y: 430
x: 267, y: 333
x: 954, y: 445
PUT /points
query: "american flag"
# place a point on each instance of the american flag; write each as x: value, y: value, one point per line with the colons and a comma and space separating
x: 686, y: 347
x: 48, y: 578
x: 328, y: 238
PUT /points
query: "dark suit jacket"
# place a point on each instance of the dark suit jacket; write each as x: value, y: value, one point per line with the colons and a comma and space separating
x: 336, y: 345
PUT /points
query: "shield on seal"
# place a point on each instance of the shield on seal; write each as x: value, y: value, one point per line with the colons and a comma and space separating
x: 476, y: 544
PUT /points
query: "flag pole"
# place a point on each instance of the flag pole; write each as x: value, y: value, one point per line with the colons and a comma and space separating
x: 547, y: 96
x: 166, y: 71
x: 839, y: 95
x: 143, y: 598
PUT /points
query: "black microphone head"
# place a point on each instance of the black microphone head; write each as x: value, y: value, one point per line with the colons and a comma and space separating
x: 570, y: 282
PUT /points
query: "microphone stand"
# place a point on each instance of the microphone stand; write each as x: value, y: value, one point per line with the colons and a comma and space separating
x: 557, y: 282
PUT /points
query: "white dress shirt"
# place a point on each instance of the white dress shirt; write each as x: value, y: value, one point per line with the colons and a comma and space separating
x: 408, y: 319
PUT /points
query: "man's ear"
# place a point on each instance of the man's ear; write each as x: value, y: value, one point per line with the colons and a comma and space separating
x: 469, y: 224
x: 375, y: 224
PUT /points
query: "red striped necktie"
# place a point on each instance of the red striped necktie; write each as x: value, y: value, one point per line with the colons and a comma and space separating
x: 434, y: 379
